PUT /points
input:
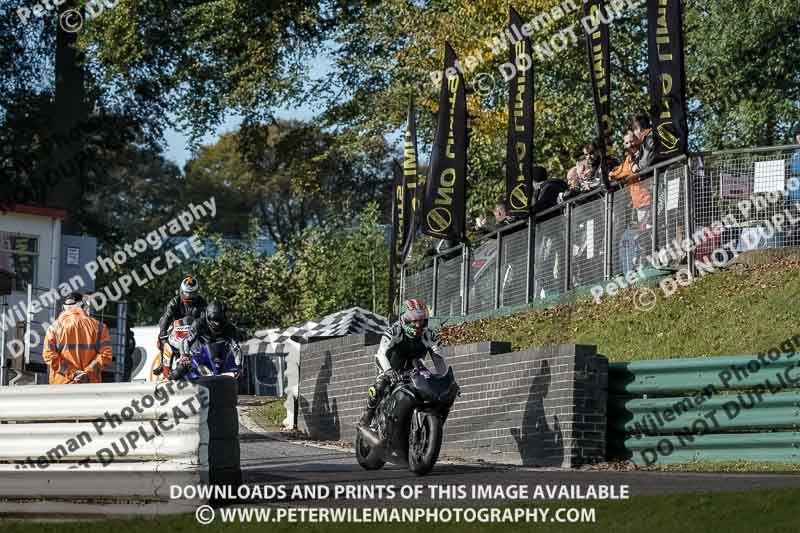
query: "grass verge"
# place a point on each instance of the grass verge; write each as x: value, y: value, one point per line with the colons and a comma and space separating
x: 747, y: 308
x: 270, y: 414
x: 763, y: 511
x: 728, y: 467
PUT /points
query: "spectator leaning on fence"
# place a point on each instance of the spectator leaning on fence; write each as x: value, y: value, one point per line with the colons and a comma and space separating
x: 579, y: 177
x: 77, y: 347
x: 640, y: 196
x: 641, y: 127
x: 545, y: 192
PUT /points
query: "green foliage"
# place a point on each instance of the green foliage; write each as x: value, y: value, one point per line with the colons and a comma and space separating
x: 741, y: 62
x: 270, y: 414
x: 289, y: 175
x: 260, y: 291
x: 326, y: 270
x: 204, y: 59
x: 345, y: 268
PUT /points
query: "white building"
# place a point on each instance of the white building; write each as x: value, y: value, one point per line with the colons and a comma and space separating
x: 35, y: 258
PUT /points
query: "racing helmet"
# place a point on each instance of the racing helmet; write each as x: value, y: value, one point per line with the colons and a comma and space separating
x: 216, y: 317
x: 189, y: 290
x: 414, y: 318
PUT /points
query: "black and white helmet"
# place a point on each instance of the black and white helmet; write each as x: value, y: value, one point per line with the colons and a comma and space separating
x: 189, y: 290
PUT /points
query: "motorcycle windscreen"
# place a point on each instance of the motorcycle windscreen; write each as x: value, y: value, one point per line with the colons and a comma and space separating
x: 433, y: 388
x: 202, y: 361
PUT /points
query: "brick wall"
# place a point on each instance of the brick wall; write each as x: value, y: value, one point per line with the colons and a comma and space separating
x: 543, y: 406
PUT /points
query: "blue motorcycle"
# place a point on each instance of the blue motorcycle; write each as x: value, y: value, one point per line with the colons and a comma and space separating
x: 212, y: 359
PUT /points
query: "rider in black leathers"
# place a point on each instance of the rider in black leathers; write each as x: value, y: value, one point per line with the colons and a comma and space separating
x: 188, y: 302
x: 213, y: 326
x: 402, y: 343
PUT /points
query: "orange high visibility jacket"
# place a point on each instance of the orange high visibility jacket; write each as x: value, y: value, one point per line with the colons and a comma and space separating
x: 76, y: 342
x: 640, y: 195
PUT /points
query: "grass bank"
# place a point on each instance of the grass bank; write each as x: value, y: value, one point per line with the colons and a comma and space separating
x: 751, y: 306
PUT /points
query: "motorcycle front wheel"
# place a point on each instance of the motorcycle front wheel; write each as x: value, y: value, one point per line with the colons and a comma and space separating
x: 424, y: 443
x: 367, y: 457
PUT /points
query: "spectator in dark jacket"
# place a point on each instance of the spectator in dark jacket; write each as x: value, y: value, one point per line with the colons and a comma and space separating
x: 545, y: 191
x: 642, y: 129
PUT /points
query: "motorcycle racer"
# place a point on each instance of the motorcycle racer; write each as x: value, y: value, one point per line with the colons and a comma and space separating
x: 213, y: 326
x: 402, y: 343
x: 187, y: 303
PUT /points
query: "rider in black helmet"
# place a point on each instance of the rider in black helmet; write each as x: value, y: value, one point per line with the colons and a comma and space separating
x: 402, y: 343
x: 213, y: 326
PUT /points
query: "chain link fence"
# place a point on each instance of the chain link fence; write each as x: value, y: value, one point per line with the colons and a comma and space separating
x: 754, y: 196
x: 514, y: 267
x: 549, y: 259
x: 449, y: 286
x: 418, y: 281
x: 750, y: 197
x: 482, y: 276
x: 588, y: 227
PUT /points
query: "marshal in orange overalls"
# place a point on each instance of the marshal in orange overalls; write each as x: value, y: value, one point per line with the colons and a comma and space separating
x: 76, y: 342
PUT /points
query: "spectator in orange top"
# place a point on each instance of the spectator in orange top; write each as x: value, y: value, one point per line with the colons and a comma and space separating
x: 640, y: 196
x: 77, y: 347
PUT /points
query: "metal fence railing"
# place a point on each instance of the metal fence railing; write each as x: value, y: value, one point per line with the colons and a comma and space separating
x: 739, y: 199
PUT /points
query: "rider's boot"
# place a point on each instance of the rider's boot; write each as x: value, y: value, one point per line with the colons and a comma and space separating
x: 366, y: 419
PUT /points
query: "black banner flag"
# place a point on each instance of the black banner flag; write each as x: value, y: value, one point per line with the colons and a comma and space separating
x: 401, y: 206
x: 411, y: 193
x: 667, y: 78
x: 598, y: 44
x: 397, y: 229
x: 444, y: 204
x: 519, y: 147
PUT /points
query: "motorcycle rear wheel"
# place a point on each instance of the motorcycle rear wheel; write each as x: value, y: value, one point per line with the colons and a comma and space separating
x: 424, y: 444
x: 367, y: 457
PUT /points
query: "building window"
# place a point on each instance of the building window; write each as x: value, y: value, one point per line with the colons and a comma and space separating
x: 19, y: 255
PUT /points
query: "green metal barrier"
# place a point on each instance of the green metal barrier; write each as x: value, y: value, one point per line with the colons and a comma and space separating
x: 709, y: 409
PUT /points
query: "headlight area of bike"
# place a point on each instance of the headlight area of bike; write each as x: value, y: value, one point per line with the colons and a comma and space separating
x: 434, y: 388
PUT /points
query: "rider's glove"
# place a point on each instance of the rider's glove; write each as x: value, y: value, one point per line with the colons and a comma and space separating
x: 393, y: 376
x: 184, y: 360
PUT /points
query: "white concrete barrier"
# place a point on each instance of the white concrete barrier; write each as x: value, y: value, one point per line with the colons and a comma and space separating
x: 98, y: 442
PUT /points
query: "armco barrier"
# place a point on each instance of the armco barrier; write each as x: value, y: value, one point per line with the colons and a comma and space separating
x: 536, y: 407
x: 706, y: 409
x: 105, y: 443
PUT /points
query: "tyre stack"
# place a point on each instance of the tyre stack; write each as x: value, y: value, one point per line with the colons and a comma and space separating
x: 224, y: 455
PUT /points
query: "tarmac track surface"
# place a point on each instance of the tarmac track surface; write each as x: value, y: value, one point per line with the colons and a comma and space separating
x: 268, y: 459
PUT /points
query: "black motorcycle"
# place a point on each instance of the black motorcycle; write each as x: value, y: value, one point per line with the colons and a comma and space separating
x: 408, y: 424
